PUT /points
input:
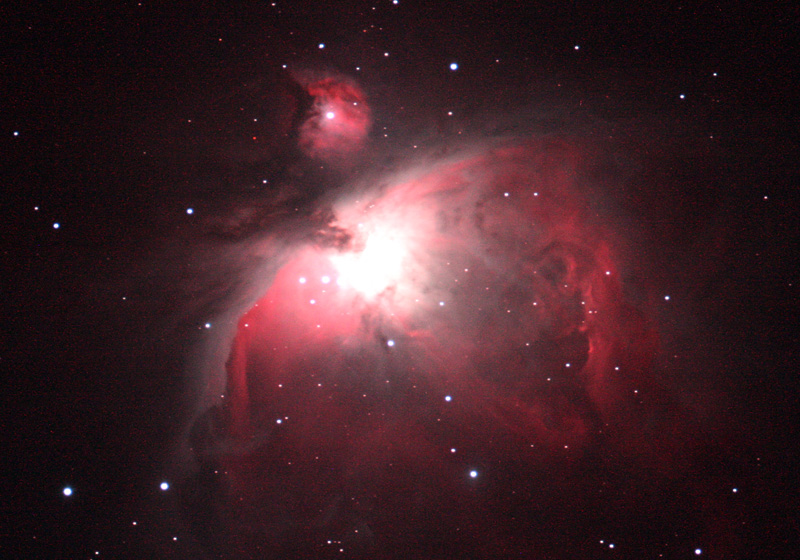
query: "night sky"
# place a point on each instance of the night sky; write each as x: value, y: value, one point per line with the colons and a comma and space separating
x: 400, y: 280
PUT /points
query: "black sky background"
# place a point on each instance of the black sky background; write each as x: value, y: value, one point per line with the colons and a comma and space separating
x: 95, y: 387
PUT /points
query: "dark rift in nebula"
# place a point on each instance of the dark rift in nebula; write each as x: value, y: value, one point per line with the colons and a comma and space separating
x: 457, y: 331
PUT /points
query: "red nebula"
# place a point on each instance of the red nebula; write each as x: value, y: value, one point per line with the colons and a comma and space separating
x: 466, y: 317
x: 338, y: 121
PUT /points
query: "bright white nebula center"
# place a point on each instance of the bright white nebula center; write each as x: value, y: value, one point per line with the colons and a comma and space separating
x: 391, y: 253
x: 374, y: 268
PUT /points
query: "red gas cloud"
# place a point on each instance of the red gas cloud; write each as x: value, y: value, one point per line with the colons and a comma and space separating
x: 337, y: 123
x: 458, y: 337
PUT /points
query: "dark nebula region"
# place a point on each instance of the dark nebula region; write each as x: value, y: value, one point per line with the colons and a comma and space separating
x: 450, y: 358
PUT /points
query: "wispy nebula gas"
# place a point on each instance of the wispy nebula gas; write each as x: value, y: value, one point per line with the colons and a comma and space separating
x: 462, y: 328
